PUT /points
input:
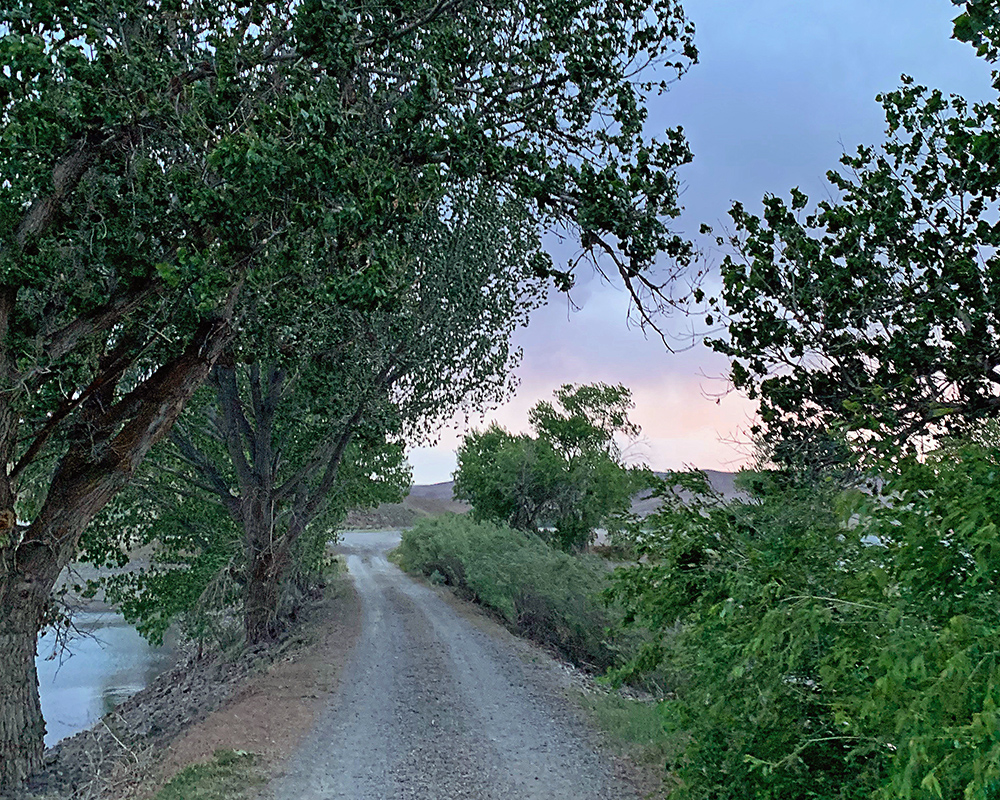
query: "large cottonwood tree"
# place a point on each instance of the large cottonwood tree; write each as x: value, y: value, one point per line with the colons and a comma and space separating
x: 161, y: 158
x: 298, y: 424
x: 571, y: 476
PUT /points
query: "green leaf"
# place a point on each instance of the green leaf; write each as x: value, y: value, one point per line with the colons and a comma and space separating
x: 169, y: 273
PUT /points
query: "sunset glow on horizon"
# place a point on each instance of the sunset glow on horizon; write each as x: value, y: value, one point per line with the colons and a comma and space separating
x: 782, y: 89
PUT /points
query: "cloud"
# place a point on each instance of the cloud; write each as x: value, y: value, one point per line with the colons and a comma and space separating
x: 783, y: 88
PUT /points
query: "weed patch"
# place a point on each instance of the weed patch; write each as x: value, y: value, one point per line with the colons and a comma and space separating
x: 230, y: 775
x: 635, y: 726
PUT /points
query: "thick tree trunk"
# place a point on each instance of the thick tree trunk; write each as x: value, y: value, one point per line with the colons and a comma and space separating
x: 22, y: 728
x: 260, y: 613
x: 265, y: 566
x: 255, y: 455
x: 106, y: 446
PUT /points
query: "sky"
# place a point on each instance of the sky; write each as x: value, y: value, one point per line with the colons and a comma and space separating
x: 782, y: 89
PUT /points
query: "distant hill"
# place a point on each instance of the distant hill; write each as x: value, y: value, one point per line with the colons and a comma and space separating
x: 428, y: 500
x: 723, y: 482
x: 422, y: 501
x: 435, y: 498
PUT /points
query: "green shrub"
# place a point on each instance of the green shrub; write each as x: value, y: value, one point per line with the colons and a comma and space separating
x: 548, y: 595
x: 830, y: 644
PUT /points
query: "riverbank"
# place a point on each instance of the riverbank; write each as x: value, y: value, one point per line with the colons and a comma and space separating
x: 98, y: 665
x: 94, y: 660
x: 262, y: 701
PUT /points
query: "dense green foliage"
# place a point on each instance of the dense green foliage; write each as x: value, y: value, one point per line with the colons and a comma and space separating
x: 836, y: 642
x: 190, y: 577
x: 873, y: 320
x: 833, y: 634
x: 311, y: 423
x: 830, y: 644
x: 197, y: 574
x: 979, y: 25
x: 569, y: 476
x: 550, y: 596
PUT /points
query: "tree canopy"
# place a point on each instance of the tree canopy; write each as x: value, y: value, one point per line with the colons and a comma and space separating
x: 570, y: 475
x: 162, y: 161
x: 872, y: 320
x: 301, y: 423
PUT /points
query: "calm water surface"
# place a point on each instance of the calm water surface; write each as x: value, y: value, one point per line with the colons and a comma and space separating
x: 107, y: 664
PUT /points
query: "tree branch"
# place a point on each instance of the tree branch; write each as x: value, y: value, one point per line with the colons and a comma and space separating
x: 8, y: 416
x: 65, y: 339
x: 100, y: 391
x: 435, y: 11
x: 86, y: 479
x: 194, y: 457
x: 87, y: 150
x: 235, y: 426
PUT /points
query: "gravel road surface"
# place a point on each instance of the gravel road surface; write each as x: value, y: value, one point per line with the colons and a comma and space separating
x: 436, y: 707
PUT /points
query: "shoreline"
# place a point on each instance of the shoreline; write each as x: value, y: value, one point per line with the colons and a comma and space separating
x: 146, y: 739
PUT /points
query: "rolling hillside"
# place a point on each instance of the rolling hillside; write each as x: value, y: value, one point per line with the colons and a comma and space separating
x: 436, y: 498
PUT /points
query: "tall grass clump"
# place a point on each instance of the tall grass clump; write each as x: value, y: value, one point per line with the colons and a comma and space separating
x: 545, y: 594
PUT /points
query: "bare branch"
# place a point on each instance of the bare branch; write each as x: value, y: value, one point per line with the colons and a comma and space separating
x: 235, y: 426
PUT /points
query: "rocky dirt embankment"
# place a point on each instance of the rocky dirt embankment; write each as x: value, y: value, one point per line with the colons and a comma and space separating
x: 262, y: 701
x: 390, y: 689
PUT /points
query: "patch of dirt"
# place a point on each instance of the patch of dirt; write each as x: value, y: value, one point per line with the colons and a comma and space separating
x: 263, y: 702
x: 271, y: 714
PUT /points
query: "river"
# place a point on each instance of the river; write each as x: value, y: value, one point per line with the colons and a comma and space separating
x: 103, y: 665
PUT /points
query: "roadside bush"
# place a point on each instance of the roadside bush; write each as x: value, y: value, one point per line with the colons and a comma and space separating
x: 548, y: 595
x: 829, y: 644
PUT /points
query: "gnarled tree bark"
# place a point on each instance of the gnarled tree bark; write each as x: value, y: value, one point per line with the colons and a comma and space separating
x: 271, y: 515
x: 107, y: 442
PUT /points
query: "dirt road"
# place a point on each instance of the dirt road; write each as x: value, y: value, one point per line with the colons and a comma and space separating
x: 433, y: 706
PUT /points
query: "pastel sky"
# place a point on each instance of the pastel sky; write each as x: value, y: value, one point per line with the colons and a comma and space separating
x: 783, y: 87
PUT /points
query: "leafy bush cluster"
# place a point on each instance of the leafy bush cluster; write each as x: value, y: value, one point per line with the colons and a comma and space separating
x: 829, y: 643
x: 566, y: 480
x: 549, y: 595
